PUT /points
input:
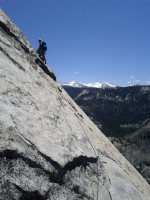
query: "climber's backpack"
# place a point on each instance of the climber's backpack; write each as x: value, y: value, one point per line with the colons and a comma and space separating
x: 44, y: 46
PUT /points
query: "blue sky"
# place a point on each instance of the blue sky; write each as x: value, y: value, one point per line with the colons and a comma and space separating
x: 89, y: 40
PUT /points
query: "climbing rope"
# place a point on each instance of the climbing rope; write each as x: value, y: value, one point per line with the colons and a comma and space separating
x: 96, y: 155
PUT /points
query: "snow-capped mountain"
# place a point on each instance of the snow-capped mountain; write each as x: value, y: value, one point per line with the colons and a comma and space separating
x: 90, y: 85
x: 73, y: 84
x: 100, y: 85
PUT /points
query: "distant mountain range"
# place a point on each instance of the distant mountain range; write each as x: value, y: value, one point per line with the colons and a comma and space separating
x: 88, y: 85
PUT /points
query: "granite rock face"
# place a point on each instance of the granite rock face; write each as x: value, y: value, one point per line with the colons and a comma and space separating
x: 49, y: 148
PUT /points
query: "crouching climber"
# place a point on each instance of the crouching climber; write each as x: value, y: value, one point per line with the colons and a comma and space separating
x: 42, y: 50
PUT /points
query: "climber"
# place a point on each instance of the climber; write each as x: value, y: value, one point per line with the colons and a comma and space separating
x: 42, y: 50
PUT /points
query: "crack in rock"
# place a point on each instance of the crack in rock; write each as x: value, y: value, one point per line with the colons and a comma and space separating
x: 14, y: 61
x: 55, y: 177
x: 45, y: 68
x: 37, y: 60
x: 8, y: 31
x: 27, y: 195
x: 76, y: 190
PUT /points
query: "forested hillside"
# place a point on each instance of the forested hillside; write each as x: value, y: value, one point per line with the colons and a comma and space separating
x: 116, y: 111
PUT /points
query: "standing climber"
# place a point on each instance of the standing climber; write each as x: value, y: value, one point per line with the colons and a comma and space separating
x: 42, y: 50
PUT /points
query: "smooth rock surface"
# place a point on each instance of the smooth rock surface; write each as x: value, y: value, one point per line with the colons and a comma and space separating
x: 49, y: 148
